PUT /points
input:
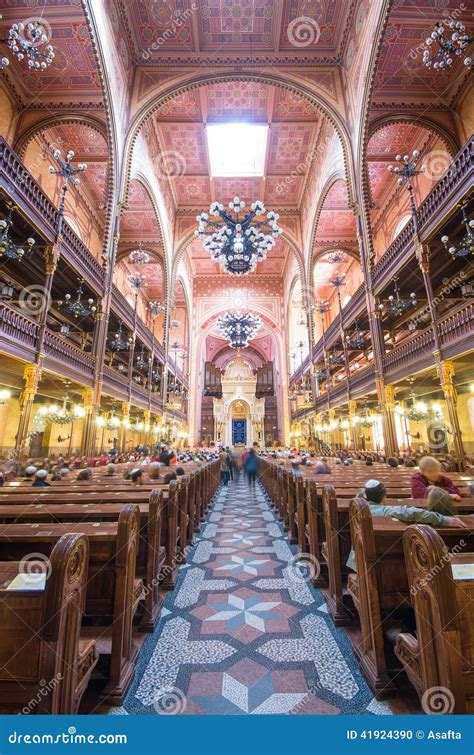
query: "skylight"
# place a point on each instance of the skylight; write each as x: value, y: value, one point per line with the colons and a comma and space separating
x: 237, y: 149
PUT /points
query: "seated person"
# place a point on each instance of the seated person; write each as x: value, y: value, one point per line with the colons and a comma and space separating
x: 136, y: 476
x: 154, y: 470
x: 295, y: 467
x: 429, y: 475
x: 168, y: 477
x: 369, y: 461
x: 375, y: 492
x: 321, y: 468
x: 55, y: 476
x: 111, y: 469
x: 39, y: 480
x: 392, y: 462
x: 85, y: 474
x: 180, y: 471
x: 63, y: 473
x: 439, y: 500
x: 30, y: 472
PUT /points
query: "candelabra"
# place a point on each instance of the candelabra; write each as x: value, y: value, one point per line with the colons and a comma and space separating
x: 139, y: 256
x: 356, y: 341
x: 406, y: 170
x: 119, y: 343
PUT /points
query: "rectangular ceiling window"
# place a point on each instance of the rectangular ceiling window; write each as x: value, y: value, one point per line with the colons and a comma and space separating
x: 237, y: 149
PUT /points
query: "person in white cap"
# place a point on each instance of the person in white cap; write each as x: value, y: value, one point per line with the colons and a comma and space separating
x: 40, y: 479
x: 30, y: 473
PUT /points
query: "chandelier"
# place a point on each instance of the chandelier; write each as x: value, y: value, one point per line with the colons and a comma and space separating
x: 336, y: 256
x: 237, y: 242
x: 396, y: 305
x: 155, y: 307
x: 356, y: 341
x: 25, y: 41
x: 141, y: 361
x: 466, y: 245
x: 119, y: 343
x: 238, y: 328
x: 137, y: 281
x: 336, y: 360
x: 447, y: 48
x: 78, y: 308
x: 8, y: 248
x: 139, y: 256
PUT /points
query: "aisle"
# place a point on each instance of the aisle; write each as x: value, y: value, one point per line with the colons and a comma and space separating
x: 243, y: 632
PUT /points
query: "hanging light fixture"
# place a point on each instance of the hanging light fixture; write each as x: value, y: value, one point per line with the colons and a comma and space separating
x: 155, y: 307
x: 238, y: 328
x: 8, y: 248
x: 337, y: 256
x: 139, y: 256
x: 335, y: 360
x: 119, y: 343
x: 141, y: 361
x: 68, y: 172
x: 25, y: 40
x: 466, y: 245
x: 356, y: 341
x: 396, y: 305
x: 77, y: 308
x: 448, y: 49
x: 238, y: 243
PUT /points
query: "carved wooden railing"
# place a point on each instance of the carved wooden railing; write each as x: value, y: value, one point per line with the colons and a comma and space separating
x: 354, y: 306
x: 20, y: 185
x: 445, y: 191
x: 19, y: 330
x: 24, y: 190
x: 458, y: 326
x: 115, y: 383
x: 406, y: 354
x: 76, y: 253
x: 59, y: 350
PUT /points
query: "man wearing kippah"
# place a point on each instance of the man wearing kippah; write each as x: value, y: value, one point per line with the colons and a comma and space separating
x: 40, y: 479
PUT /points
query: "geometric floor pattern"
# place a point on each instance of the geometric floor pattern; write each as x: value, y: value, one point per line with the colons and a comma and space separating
x: 243, y: 632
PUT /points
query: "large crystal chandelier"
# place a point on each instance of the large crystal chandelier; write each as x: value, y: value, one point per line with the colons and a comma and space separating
x: 236, y: 241
x: 25, y: 41
x: 448, y: 48
x: 238, y: 328
x: 139, y: 256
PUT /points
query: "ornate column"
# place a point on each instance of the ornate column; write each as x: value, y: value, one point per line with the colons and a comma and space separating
x: 51, y: 257
x: 390, y: 420
x: 123, y: 427
x: 446, y: 373
x: 31, y: 376
x: 423, y: 254
x: 91, y: 401
x: 352, y: 409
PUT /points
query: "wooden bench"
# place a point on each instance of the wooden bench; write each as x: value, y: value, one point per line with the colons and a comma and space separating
x: 112, y: 593
x: 45, y: 664
x: 442, y: 653
x: 380, y: 588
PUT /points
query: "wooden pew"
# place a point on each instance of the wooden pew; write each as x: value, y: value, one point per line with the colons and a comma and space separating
x: 442, y: 653
x: 112, y: 594
x: 380, y: 588
x: 337, y: 544
x: 45, y: 665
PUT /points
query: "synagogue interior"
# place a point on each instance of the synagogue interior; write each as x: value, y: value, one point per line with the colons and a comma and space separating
x: 236, y: 255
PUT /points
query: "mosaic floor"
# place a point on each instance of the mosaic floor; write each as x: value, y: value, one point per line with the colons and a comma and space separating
x: 244, y: 631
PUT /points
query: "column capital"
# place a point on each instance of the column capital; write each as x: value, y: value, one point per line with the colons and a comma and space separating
x: 352, y: 407
x: 423, y: 254
x: 390, y: 396
x: 52, y: 252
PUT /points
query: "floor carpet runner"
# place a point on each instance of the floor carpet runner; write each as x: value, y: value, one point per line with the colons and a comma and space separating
x: 244, y: 631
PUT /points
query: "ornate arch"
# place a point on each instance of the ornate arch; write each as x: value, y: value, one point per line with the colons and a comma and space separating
x: 50, y: 121
x: 448, y: 139
x: 273, y: 79
x: 334, y: 178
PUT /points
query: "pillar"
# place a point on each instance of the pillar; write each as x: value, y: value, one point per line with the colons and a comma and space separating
x: 391, y: 428
x: 124, y: 427
x: 91, y: 400
x: 446, y: 374
x: 352, y: 407
x: 31, y: 376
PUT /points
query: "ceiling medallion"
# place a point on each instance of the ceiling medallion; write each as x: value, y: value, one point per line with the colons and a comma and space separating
x: 236, y: 241
x: 238, y: 328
